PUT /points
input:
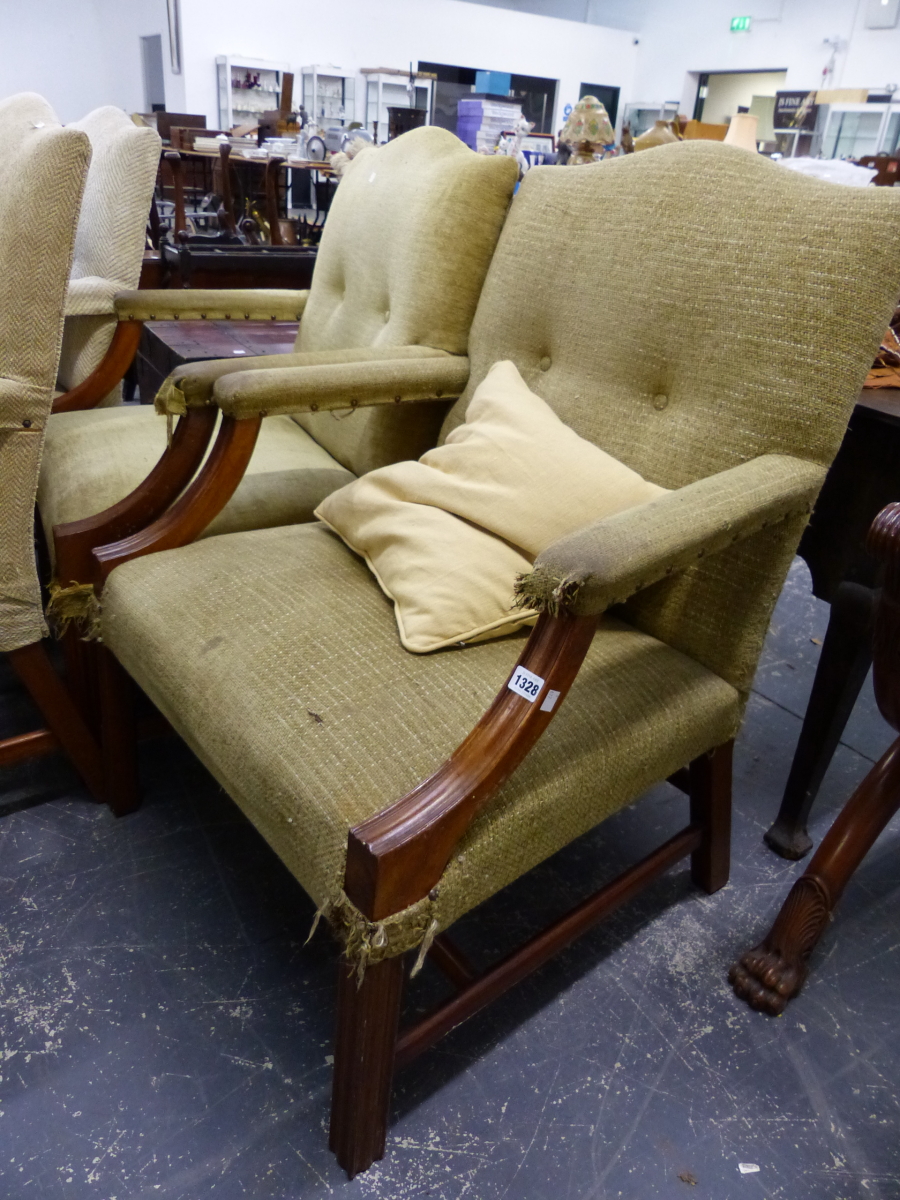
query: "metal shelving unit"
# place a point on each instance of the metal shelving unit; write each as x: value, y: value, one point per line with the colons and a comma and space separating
x: 328, y: 95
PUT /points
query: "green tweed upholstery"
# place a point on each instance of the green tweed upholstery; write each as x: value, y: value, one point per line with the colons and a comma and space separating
x: 109, y: 245
x: 406, y: 246
x: 330, y: 719
x: 711, y: 329
x: 42, y: 172
x: 403, y: 256
x: 733, y: 311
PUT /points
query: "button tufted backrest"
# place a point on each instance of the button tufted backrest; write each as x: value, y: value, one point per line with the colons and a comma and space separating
x: 42, y: 170
x: 403, y: 256
x: 687, y: 309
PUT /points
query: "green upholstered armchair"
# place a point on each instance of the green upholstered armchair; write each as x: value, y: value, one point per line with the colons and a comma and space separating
x: 42, y: 173
x: 705, y: 316
x: 109, y: 249
x: 399, y: 271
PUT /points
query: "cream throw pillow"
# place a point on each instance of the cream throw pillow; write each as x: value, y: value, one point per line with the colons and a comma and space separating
x: 519, y: 479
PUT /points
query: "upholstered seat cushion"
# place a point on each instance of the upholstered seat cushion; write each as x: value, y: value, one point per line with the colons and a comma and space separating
x: 93, y: 459
x: 336, y: 720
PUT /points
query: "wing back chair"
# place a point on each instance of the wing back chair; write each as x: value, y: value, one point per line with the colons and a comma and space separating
x: 702, y: 314
x: 109, y: 249
x: 42, y: 172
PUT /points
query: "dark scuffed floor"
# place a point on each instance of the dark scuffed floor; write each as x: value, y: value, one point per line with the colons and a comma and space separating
x: 166, y: 1033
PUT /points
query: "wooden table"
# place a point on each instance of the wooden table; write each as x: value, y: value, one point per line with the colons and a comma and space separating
x: 165, y: 345
x: 864, y: 477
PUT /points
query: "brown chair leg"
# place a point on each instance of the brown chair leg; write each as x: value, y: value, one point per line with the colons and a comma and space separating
x: 81, y: 675
x: 842, y: 670
x: 775, y: 970
x: 367, y: 1021
x: 118, y: 734
x: 710, y: 782
x: 33, y: 667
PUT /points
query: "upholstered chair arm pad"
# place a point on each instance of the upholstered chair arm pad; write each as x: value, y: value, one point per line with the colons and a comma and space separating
x: 341, y: 386
x: 604, y: 563
x: 92, y: 296
x: 191, y: 385
x: 212, y: 304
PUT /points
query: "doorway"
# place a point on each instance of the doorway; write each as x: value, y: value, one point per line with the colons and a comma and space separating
x: 720, y: 94
x: 154, y: 79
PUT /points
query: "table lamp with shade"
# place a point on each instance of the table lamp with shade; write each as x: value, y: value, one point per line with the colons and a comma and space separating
x: 743, y: 132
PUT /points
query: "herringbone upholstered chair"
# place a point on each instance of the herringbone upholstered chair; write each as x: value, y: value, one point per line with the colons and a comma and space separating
x: 400, y: 267
x: 711, y: 330
x: 109, y: 246
x: 42, y: 173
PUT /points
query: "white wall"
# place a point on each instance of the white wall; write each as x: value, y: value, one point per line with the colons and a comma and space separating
x: 391, y: 33
x: 81, y: 54
x: 728, y: 92
x: 676, y: 39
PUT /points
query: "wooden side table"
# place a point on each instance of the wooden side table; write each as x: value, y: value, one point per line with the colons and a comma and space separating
x: 864, y: 477
x: 165, y: 345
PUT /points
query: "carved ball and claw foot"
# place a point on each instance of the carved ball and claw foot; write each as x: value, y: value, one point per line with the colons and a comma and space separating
x: 774, y: 971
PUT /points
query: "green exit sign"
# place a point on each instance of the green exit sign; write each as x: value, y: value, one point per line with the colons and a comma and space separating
x: 740, y: 24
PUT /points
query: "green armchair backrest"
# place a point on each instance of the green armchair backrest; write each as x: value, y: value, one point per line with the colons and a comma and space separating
x: 687, y: 320
x: 403, y: 256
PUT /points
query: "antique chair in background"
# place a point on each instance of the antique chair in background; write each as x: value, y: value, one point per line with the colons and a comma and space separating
x: 771, y: 974
x: 42, y: 174
x: 399, y: 272
x: 109, y: 248
x: 275, y: 656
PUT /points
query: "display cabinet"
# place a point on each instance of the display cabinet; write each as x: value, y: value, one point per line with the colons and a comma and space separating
x: 388, y: 88
x: 855, y: 130
x: 247, y: 88
x: 328, y: 95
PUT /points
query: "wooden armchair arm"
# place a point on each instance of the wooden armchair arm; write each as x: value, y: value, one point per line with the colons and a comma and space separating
x: 196, y: 506
x: 397, y: 856
x: 107, y: 374
x: 176, y: 468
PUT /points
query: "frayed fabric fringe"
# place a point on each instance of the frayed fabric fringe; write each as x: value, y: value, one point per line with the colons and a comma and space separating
x: 369, y: 942
x: 544, y: 592
x: 74, y: 605
x: 170, y: 399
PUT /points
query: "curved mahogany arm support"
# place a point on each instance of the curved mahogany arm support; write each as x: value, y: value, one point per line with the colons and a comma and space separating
x: 103, y: 378
x: 883, y: 543
x: 397, y: 856
x: 176, y: 468
x: 196, y: 507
